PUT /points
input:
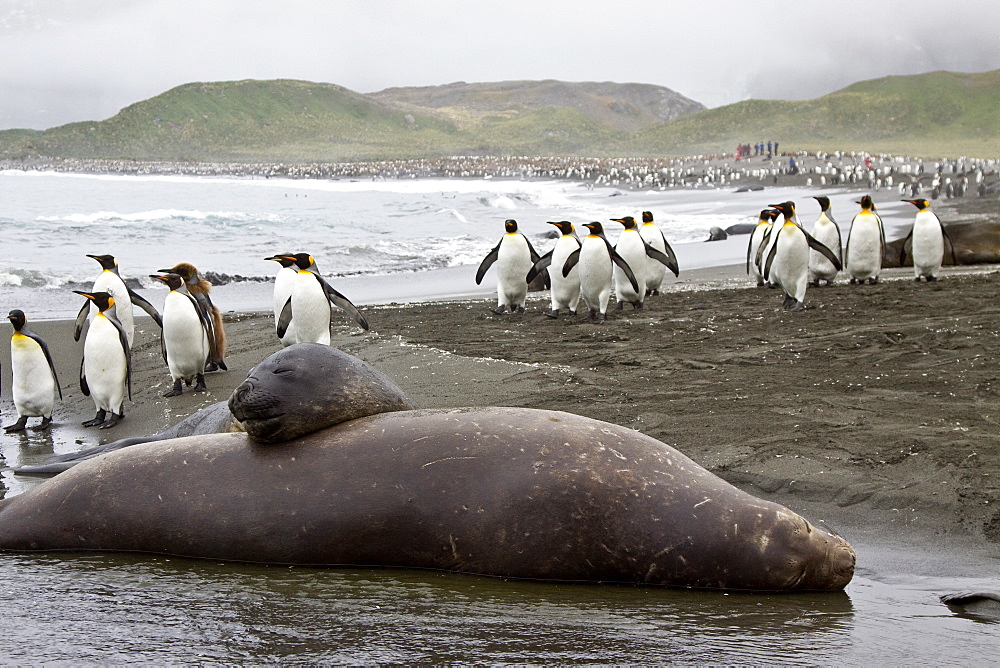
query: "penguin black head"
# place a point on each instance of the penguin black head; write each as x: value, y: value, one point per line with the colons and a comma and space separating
x: 824, y: 202
x: 647, y: 216
x: 173, y: 281
x: 919, y: 203
x: 627, y: 221
x: 102, y: 300
x: 787, y: 209
x: 767, y: 215
x: 867, y: 203
x: 17, y: 319
x: 284, y: 259
x: 595, y: 228
x: 108, y: 262
x: 301, y: 260
x: 564, y: 226
x: 510, y: 226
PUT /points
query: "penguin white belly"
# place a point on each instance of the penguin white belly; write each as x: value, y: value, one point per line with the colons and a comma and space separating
x: 565, y: 290
x: 184, y: 337
x: 820, y: 267
x: 113, y: 284
x: 790, y: 269
x: 631, y: 249
x: 513, y: 265
x: 311, y: 310
x: 105, y: 365
x: 655, y: 270
x: 595, y: 274
x: 865, y: 256
x: 756, y: 239
x: 928, y: 246
x: 284, y: 282
x: 33, y: 388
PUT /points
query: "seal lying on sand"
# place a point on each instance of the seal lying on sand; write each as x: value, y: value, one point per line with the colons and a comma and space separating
x: 308, y: 386
x: 507, y: 492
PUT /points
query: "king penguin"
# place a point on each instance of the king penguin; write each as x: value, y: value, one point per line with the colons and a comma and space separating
x: 788, y: 258
x: 758, y: 240
x: 309, y: 304
x: 865, y: 246
x: 514, y: 257
x: 656, y: 270
x: 565, y: 292
x: 596, y: 258
x: 825, y: 231
x: 110, y: 281
x: 283, y: 282
x: 184, y: 340
x: 928, y: 235
x: 106, y: 368
x: 199, y: 288
x: 34, y: 375
x: 632, y: 248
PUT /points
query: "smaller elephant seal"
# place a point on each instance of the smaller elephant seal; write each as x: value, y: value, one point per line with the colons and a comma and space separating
x: 978, y: 603
x: 295, y: 391
x: 717, y: 234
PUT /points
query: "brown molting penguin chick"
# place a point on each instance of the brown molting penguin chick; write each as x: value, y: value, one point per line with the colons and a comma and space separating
x: 199, y: 289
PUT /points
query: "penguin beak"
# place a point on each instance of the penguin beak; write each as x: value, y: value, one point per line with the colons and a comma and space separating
x: 85, y: 294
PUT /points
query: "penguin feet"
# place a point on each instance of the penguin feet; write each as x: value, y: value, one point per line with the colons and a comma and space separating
x: 520, y: 309
x: 619, y: 306
x: 554, y: 313
x: 111, y: 421
x: 854, y: 281
x: 17, y: 426
x: 599, y: 318
x: 652, y: 293
x: 499, y: 310
x: 873, y: 280
x: 43, y: 425
x: 815, y: 283
x: 932, y: 279
x: 199, y: 385
x: 788, y: 302
x: 177, y: 389
x: 572, y: 314
x: 760, y: 284
x: 797, y: 306
x: 222, y: 365
x: 637, y: 306
x: 98, y: 419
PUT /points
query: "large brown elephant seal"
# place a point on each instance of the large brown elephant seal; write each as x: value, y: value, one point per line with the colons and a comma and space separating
x: 508, y: 492
x: 297, y: 390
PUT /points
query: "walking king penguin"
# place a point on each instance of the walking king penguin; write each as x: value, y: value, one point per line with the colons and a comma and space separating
x: 632, y: 248
x: 565, y: 291
x: 283, y: 282
x: 755, y: 249
x: 106, y: 368
x: 184, y: 340
x: 35, y: 379
x: 596, y: 258
x: 928, y: 235
x: 514, y: 257
x: 788, y: 258
x: 308, y: 306
x: 655, y: 270
x: 825, y: 231
x: 110, y: 281
x: 865, y: 244
x: 199, y: 288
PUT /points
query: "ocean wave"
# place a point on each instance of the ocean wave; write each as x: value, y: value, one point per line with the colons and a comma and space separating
x: 155, y: 215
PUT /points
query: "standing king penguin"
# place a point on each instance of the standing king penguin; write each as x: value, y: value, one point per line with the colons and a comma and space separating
x: 637, y: 253
x: 928, y: 235
x: 755, y: 249
x: 199, y: 288
x: 309, y: 304
x: 656, y: 270
x: 865, y: 246
x: 184, y: 340
x: 283, y: 282
x: 825, y: 231
x: 596, y: 258
x: 565, y: 291
x: 106, y: 368
x: 788, y: 258
x: 110, y: 281
x: 34, y: 374
x: 514, y: 257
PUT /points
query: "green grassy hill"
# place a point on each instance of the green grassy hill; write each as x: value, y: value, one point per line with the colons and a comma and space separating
x: 930, y: 115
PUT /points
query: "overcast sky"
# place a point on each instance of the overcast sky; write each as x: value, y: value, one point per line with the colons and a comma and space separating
x: 74, y: 60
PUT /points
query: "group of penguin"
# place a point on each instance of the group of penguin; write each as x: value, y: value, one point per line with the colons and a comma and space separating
x: 788, y: 257
x: 587, y: 269
x: 192, y: 337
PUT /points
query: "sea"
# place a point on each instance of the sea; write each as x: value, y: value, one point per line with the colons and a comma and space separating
x: 382, y: 241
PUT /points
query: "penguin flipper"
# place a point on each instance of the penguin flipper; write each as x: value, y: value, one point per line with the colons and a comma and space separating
x: 770, y: 259
x: 83, y: 378
x: 344, y: 303
x: 676, y: 267
x: 664, y: 259
x: 141, y: 302
x: 540, y: 264
x: 284, y: 319
x: 571, y: 262
x: 760, y: 249
x: 487, y: 262
x: 902, y: 248
x: 823, y: 249
x: 81, y: 318
x: 123, y: 339
x: 623, y: 265
x: 531, y: 249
